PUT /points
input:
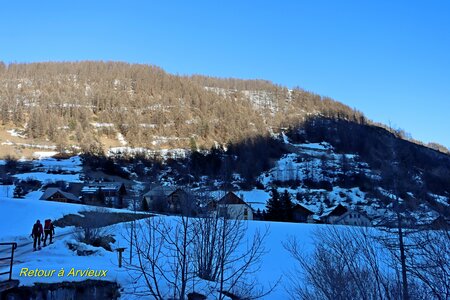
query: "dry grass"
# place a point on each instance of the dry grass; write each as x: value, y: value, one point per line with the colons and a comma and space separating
x: 108, y: 142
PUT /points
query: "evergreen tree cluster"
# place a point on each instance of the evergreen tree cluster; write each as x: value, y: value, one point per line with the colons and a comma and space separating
x: 279, y: 207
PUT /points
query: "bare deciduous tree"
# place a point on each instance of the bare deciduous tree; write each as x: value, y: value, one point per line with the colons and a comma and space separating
x: 356, y: 263
x: 429, y: 261
x: 172, y: 255
x: 163, y: 257
x: 228, y: 257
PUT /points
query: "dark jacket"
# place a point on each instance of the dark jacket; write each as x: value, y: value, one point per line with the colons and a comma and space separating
x: 37, y: 229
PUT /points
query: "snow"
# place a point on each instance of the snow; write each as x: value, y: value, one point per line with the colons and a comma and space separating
x: 285, y: 138
x: 304, y: 163
x: 46, y: 177
x: 99, y: 125
x: 6, y: 190
x: 44, y: 154
x: 24, y: 212
x: 441, y: 199
x: 71, y: 164
x: 8, y: 143
x: 351, y: 196
x: 158, y: 140
x: 163, y: 153
x: 121, y: 139
x: 257, y: 199
x: 42, y: 166
x: 323, y: 146
x: 15, y: 133
x: 146, y: 125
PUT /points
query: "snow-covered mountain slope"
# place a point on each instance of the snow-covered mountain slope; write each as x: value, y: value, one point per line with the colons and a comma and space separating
x: 315, y: 176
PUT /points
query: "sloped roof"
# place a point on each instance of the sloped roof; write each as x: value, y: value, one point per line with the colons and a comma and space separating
x: 180, y: 190
x: 231, y: 198
x: 51, y: 191
x: 337, y: 210
x: 301, y: 208
x: 161, y: 190
x: 75, y: 188
x: 105, y: 186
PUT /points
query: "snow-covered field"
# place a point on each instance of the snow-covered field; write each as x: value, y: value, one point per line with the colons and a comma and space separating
x: 42, y: 169
x: 18, y: 215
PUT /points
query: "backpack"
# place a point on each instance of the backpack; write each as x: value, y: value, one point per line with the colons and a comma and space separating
x: 48, y: 224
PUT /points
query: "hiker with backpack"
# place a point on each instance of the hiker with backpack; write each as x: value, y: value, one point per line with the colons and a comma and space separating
x: 49, y: 231
x: 36, y: 234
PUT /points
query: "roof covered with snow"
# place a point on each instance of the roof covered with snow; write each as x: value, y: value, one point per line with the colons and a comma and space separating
x: 51, y: 191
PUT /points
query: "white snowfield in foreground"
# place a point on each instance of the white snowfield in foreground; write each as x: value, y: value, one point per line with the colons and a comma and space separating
x: 18, y: 216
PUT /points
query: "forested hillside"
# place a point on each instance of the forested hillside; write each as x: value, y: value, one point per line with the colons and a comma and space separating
x: 79, y: 103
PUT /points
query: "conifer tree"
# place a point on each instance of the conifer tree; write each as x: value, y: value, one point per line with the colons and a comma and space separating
x: 286, y: 205
x: 274, y: 207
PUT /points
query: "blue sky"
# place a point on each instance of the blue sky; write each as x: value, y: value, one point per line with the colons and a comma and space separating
x: 389, y: 59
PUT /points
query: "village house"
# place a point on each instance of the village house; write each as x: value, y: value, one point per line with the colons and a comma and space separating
x: 169, y: 199
x: 354, y: 218
x: 104, y: 193
x: 233, y: 207
x: 155, y: 199
x: 300, y: 213
x: 55, y: 194
x: 181, y: 202
x: 341, y: 215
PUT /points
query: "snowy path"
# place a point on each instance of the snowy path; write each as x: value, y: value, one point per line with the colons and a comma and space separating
x: 24, y: 249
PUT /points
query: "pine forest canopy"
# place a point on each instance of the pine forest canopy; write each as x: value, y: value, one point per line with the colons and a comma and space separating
x: 63, y: 101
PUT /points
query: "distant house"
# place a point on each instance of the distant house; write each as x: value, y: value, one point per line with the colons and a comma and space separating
x: 55, y: 194
x: 343, y: 216
x: 74, y: 188
x: 300, y: 213
x: 181, y: 202
x: 232, y: 207
x: 104, y: 193
x: 170, y: 199
x: 156, y: 198
x: 332, y: 214
x: 355, y: 218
